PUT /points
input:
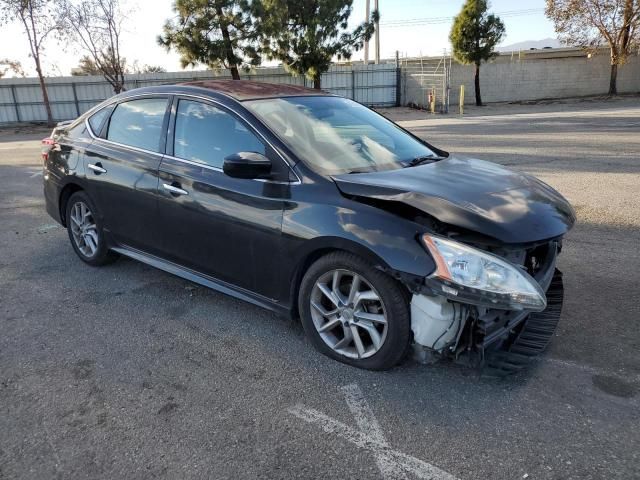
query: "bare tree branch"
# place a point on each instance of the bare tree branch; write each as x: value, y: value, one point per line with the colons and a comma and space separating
x: 591, y: 23
x: 39, y: 19
x: 96, y: 26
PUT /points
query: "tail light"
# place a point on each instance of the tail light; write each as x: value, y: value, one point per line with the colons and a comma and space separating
x: 47, y: 145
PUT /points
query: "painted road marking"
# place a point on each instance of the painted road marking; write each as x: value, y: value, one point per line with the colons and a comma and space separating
x: 48, y: 227
x: 32, y: 174
x: 391, y: 463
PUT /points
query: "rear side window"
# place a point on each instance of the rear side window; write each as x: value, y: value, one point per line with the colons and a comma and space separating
x: 97, y: 119
x: 207, y: 134
x: 138, y: 123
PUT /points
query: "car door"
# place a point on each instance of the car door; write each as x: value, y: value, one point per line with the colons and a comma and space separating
x: 122, y: 169
x: 224, y: 227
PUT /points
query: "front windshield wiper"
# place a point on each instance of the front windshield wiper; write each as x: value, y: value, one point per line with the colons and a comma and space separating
x: 359, y: 170
x: 422, y: 160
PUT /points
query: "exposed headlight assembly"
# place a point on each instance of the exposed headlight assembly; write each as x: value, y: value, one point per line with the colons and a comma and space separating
x: 469, y: 275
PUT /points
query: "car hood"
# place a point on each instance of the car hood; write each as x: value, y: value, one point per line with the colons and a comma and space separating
x: 480, y: 196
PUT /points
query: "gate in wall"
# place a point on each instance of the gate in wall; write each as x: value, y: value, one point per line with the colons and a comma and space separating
x: 427, y: 83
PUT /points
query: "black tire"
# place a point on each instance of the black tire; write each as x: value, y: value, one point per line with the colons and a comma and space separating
x: 102, y: 255
x: 394, y: 300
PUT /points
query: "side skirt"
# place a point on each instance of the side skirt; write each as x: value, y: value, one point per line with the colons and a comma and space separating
x: 204, y: 280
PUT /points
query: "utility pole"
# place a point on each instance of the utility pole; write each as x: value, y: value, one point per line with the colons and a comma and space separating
x: 376, y: 8
x: 366, y: 43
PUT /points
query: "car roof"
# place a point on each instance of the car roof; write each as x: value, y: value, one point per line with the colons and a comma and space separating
x: 249, y: 90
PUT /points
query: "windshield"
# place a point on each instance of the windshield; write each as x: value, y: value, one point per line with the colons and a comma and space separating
x: 334, y: 135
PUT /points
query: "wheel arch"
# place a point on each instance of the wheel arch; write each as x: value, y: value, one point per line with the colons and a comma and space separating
x: 320, y: 247
x: 65, y: 194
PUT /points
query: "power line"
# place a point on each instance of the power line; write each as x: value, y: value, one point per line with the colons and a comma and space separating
x: 444, y: 20
x: 506, y: 13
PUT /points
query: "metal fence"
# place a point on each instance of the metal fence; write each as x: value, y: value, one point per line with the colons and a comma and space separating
x: 69, y: 97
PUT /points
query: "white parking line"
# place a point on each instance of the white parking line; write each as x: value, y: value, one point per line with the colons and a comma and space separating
x: 391, y: 463
x: 17, y: 146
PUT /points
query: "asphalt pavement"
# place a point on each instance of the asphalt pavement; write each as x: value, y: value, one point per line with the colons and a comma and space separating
x: 128, y: 372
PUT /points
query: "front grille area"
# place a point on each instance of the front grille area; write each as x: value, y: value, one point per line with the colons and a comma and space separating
x: 493, y: 325
x: 538, y: 261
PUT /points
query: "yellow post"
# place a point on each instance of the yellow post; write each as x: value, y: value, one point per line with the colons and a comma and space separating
x: 433, y: 100
x: 461, y: 99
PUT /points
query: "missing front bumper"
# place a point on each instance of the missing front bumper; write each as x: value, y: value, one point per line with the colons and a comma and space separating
x: 528, y: 339
x: 499, y: 342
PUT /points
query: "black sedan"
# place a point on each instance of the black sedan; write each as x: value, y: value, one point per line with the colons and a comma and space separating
x: 317, y: 207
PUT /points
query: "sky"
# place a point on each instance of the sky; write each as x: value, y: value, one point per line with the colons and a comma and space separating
x: 412, y: 27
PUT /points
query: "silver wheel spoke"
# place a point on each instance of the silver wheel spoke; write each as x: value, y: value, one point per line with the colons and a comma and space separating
x: 373, y: 333
x: 93, y: 234
x: 335, y: 280
x: 357, y: 340
x: 321, y: 310
x: 372, y: 317
x: 355, y: 285
x: 90, y: 243
x: 85, y: 211
x: 369, y: 295
x: 335, y: 287
x: 345, y: 341
x: 330, y: 325
x: 76, y: 215
x: 329, y: 294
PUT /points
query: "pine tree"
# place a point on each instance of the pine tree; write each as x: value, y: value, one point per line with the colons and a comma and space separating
x: 216, y: 33
x: 474, y: 36
x: 305, y: 35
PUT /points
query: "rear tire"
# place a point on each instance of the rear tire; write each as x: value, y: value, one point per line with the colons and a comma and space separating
x: 85, y: 231
x: 354, y: 313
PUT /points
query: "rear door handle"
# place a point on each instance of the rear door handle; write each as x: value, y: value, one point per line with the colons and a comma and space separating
x: 97, y: 168
x: 174, y: 190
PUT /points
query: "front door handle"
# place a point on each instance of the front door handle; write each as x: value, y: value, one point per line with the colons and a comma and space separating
x: 174, y: 190
x: 97, y: 168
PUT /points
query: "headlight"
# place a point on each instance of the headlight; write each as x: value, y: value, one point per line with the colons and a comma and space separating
x: 469, y: 275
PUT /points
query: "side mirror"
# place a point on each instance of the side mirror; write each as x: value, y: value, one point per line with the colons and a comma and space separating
x: 247, y: 165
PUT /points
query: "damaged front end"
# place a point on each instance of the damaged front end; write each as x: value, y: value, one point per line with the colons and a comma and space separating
x: 477, y: 329
x: 494, y: 234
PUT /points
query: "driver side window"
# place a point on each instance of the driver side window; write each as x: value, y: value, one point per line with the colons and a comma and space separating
x: 207, y: 134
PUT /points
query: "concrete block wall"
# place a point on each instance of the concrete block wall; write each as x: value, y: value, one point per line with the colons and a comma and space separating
x: 535, y: 75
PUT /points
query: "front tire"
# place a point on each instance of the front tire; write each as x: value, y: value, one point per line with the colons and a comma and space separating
x: 85, y: 231
x: 354, y: 313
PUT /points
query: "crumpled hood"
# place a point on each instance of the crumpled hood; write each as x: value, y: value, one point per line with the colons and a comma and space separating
x: 480, y: 196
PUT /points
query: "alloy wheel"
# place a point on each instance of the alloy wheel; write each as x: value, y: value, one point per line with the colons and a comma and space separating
x: 84, y: 229
x: 348, y: 314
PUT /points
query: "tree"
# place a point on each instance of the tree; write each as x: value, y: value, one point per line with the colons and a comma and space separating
x: 152, y: 69
x: 14, y: 66
x: 86, y: 66
x: 306, y: 35
x: 137, y: 68
x: 590, y: 23
x: 39, y: 19
x: 216, y: 33
x: 474, y: 35
x: 97, y: 25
